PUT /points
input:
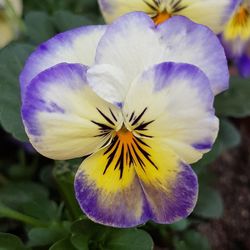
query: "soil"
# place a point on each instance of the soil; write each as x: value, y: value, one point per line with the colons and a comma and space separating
x: 232, y: 232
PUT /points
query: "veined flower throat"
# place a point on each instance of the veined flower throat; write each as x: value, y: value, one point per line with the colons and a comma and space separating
x: 126, y: 147
x: 161, y: 10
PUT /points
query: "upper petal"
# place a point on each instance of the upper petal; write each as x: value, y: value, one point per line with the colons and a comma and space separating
x: 74, y: 46
x: 173, y: 104
x: 63, y: 117
x: 134, y: 44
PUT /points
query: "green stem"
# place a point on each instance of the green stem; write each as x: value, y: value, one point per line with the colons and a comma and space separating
x: 12, y: 214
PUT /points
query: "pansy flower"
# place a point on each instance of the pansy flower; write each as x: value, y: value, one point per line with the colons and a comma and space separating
x: 137, y: 100
x: 236, y: 38
x: 211, y: 13
x: 9, y: 11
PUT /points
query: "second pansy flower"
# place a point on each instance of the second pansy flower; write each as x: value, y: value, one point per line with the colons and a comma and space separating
x: 211, y: 13
x: 138, y: 100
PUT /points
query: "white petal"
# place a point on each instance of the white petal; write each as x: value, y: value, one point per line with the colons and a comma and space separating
x: 176, y: 104
x: 74, y: 46
x: 63, y: 117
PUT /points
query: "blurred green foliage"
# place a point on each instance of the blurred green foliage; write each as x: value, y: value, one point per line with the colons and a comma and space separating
x: 43, y: 199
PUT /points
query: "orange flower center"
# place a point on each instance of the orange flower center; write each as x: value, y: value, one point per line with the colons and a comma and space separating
x: 161, y: 17
x: 242, y: 15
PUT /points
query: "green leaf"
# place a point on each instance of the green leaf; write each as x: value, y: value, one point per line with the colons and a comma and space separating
x: 180, y: 225
x: 63, y: 245
x: 42, y: 209
x: 11, y: 242
x: 129, y: 239
x: 64, y: 174
x: 235, y: 102
x: 210, y: 204
x: 47, y: 236
x: 87, y: 227
x: 30, y: 199
x: 99, y: 237
x: 229, y: 135
x: 65, y: 20
x: 39, y: 26
x: 192, y: 241
x: 15, y: 194
x: 80, y: 241
x: 12, y: 59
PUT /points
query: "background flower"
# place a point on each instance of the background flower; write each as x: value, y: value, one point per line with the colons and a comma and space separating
x: 236, y: 38
x: 9, y: 11
x: 212, y: 13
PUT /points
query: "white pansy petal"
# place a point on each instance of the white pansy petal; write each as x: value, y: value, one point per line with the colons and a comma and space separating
x: 130, y: 43
x: 112, y: 9
x: 212, y: 13
x: 109, y: 82
x: 74, y: 46
x: 133, y: 43
x: 63, y: 117
x: 173, y: 103
x: 188, y: 42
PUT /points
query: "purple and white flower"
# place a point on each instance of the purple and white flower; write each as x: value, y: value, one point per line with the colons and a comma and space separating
x: 137, y: 99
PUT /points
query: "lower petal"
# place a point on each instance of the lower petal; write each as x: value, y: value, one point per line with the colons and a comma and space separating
x: 124, y: 186
x: 107, y: 198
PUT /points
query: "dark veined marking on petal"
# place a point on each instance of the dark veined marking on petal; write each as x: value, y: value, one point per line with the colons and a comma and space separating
x: 154, y: 6
x: 177, y: 6
x: 148, y: 136
x: 139, y: 117
x: 112, y: 114
x: 105, y: 117
x: 145, y: 153
x: 132, y: 116
x: 143, y: 126
x: 127, y: 150
x: 103, y: 128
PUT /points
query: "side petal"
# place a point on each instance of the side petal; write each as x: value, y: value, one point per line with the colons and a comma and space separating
x: 139, y: 44
x: 112, y: 9
x: 111, y: 196
x: 211, y: 13
x: 173, y: 103
x: 63, y: 117
x: 74, y: 46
